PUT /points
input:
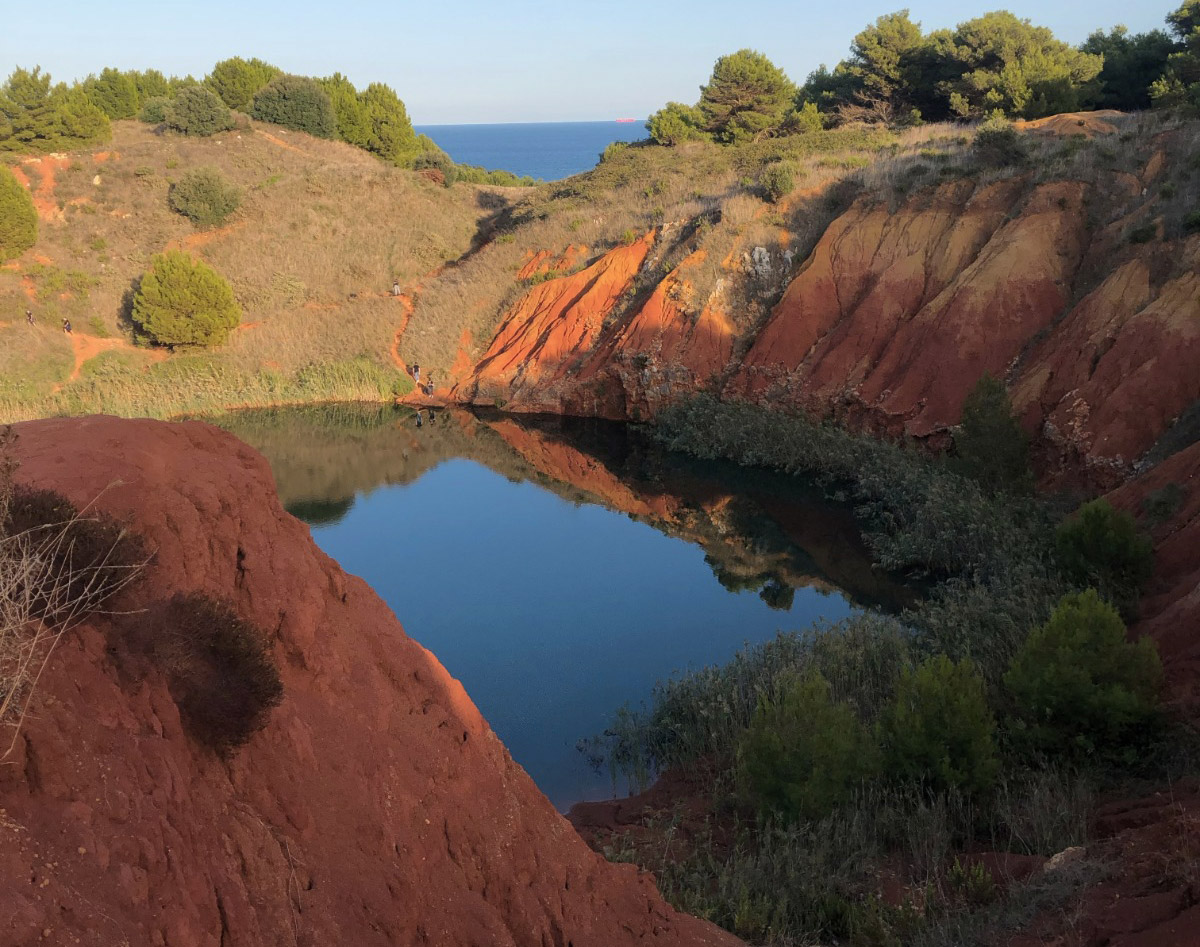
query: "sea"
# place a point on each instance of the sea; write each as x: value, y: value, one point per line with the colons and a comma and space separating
x: 546, y: 150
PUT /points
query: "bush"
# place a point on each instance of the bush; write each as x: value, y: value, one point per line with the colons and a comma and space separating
x: 114, y: 93
x: 437, y: 161
x: 998, y: 145
x: 298, y: 103
x: 204, y: 197
x: 777, y: 180
x: 676, y: 123
x: 236, y: 80
x: 1143, y: 234
x: 18, y: 217
x: 804, y: 753
x: 182, y: 301
x: 198, y: 111
x: 1080, y: 687
x: 939, y: 730
x: 154, y: 110
x: 1101, y: 547
x: 219, y: 669
x: 87, y: 557
x: 990, y: 446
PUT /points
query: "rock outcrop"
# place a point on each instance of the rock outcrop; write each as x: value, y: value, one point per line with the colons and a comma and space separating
x: 376, y: 807
x: 889, y: 323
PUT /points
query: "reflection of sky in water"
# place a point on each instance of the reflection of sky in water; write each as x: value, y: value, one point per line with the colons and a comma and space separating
x: 551, y: 615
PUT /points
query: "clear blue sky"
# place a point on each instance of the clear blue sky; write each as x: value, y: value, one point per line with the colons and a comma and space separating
x: 473, y: 61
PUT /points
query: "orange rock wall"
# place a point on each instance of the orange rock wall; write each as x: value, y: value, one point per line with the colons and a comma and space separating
x: 890, y: 322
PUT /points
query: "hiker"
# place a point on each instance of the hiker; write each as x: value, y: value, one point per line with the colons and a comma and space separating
x: 29, y: 316
x: 67, y: 326
x: 432, y: 416
x: 417, y: 375
x: 429, y: 384
x: 395, y: 287
x: 420, y: 420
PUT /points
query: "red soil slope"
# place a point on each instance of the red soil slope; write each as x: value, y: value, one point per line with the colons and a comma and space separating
x: 377, y: 807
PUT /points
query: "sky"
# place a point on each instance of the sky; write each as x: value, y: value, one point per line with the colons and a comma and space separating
x: 522, y: 61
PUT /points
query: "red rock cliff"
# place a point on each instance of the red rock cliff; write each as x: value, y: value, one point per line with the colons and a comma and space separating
x: 892, y: 319
x: 377, y: 807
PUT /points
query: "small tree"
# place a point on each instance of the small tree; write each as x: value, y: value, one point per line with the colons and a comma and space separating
x: 154, y: 110
x: 990, y: 445
x: 939, y: 730
x: 997, y: 145
x: 298, y: 103
x: 18, y: 217
x: 777, y: 180
x: 746, y: 97
x: 1080, y: 687
x: 236, y: 80
x: 1101, y: 547
x: 182, y: 301
x: 198, y: 111
x: 205, y: 197
x: 676, y: 123
x: 114, y: 92
x: 804, y: 753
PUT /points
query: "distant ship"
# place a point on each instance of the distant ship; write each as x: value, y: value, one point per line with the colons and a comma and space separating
x: 626, y: 119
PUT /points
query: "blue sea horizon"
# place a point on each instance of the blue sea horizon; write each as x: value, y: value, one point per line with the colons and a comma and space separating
x: 546, y: 150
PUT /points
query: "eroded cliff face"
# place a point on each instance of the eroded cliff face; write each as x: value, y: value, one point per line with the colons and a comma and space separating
x: 891, y: 320
x: 376, y: 807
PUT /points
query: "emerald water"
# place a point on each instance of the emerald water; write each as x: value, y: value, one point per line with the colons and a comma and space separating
x: 559, y: 569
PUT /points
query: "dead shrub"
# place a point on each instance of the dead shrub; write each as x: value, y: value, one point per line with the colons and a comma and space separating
x: 219, y: 669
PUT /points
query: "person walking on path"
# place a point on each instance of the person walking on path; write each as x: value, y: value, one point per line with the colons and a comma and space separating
x: 417, y: 375
x: 67, y: 326
x: 29, y: 316
x: 395, y: 287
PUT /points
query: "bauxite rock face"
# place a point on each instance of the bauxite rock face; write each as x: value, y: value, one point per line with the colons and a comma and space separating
x: 376, y: 807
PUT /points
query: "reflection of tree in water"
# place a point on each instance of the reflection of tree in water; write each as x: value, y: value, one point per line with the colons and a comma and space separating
x: 773, y: 589
x: 320, y: 512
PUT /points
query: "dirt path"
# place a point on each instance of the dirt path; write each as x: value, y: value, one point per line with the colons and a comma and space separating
x: 200, y: 238
x: 279, y: 141
x: 88, y: 347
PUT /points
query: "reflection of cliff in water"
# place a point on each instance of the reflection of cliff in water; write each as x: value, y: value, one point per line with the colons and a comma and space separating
x: 760, y: 531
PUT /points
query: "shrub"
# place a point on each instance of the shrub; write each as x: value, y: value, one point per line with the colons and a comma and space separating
x: 1161, y: 504
x: 806, y: 118
x: 676, y: 123
x: 1143, y: 234
x: 154, y: 110
x: 1079, y: 686
x: 777, y: 180
x: 86, y: 556
x: 1191, y: 223
x: 939, y: 730
x: 198, y: 111
x: 804, y: 753
x: 236, y: 80
x: 298, y: 103
x: 612, y: 149
x: 204, y: 197
x: 18, y: 217
x: 1101, y: 547
x: 182, y: 301
x: 998, y: 145
x: 437, y: 161
x: 990, y: 446
x: 219, y: 668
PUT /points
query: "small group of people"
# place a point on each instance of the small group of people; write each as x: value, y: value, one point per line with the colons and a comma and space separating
x: 416, y: 377
x: 66, y: 323
x: 421, y: 419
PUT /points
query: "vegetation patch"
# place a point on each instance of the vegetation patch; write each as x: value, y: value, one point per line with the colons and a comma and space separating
x: 205, y: 197
x: 219, y: 668
x: 18, y: 217
x: 182, y: 301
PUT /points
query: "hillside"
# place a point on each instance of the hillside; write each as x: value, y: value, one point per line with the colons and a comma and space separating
x: 323, y: 230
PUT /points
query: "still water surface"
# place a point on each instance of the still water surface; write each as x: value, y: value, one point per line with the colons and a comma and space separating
x: 559, y: 570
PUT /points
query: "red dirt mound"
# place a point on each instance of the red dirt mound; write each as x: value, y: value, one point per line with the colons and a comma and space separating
x: 376, y: 807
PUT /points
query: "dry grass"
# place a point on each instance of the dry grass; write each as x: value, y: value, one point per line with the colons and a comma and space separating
x: 53, y: 573
x: 323, y: 231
